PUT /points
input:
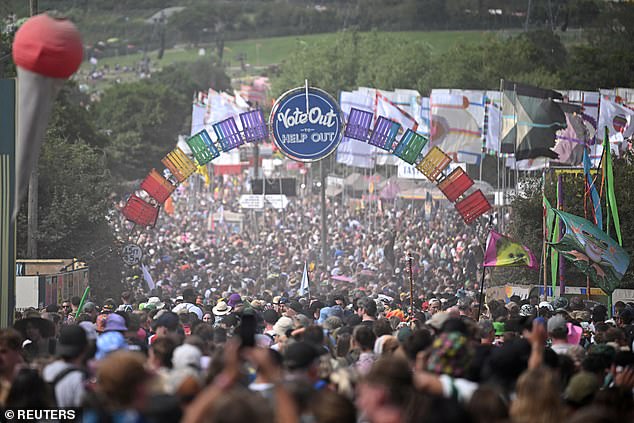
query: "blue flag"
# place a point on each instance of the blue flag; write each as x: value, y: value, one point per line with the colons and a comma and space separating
x: 592, y: 189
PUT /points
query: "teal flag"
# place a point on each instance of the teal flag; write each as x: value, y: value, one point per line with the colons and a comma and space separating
x: 592, y: 251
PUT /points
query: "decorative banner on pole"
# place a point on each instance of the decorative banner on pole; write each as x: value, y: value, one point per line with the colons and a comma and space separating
x: 456, y: 184
x: 433, y: 164
x: 157, y: 186
x: 501, y: 251
x: 473, y: 206
x: 203, y: 148
x: 140, y: 212
x: 179, y: 165
x: 592, y: 251
x: 307, y: 124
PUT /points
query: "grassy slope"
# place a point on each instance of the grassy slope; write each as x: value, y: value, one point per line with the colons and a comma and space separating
x: 267, y: 51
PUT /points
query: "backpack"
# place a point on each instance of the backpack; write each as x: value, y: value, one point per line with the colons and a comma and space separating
x: 60, y: 376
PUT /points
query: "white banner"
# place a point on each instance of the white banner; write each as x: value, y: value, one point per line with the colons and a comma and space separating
x: 407, y: 171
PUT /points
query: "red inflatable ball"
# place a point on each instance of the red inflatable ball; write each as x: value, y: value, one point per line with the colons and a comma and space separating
x: 48, y: 46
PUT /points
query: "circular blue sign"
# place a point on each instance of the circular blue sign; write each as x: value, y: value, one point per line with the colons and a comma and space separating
x: 306, y: 126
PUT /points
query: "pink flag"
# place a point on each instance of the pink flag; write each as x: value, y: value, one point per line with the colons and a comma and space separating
x: 502, y: 251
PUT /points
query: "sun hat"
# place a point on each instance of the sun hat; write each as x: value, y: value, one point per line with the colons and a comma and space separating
x: 221, y: 309
x: 155, y: 302
x: 283, y: 325
x: 45, y: 326
x: 115, y: 322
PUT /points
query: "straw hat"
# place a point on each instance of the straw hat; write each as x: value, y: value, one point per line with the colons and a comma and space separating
x: 221, y: 309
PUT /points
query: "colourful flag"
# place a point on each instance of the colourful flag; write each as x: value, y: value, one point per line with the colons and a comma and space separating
x: 597, y: 214
x: 502, y: 251
x: 608, y: 177
x: 592, y: 251
x: 618, y: 119
x: 351, y: 152
x: 571, y: 141
x: 530, y: 119
x: 457, y: 118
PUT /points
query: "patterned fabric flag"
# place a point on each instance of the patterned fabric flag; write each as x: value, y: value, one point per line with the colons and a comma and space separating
x: 384, y: 107
x: 388, y: 109
x: 457, y: 118
x: 503, y: 252
x: 619, y: 121
x: 592, y: 251
x: 421, y: 111
x: 530, y: 119
x: 571, y: 141
x: 352, y: 152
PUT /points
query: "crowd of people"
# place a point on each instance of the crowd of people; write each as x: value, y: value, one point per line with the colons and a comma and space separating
x: 221, y: 332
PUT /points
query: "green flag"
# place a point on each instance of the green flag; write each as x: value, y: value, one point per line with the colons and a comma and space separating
x: 608, y: 176
x: 82, y: 302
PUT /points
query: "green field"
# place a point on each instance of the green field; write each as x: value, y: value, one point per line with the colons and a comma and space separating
x: 268, y: 51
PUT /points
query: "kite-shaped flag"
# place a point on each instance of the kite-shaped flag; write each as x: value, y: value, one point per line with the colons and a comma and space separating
x: 503, y: 252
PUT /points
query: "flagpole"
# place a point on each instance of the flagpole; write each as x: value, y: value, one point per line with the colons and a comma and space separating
x: 544, y: 247
x: 411, y: 285
x: 481, y: 297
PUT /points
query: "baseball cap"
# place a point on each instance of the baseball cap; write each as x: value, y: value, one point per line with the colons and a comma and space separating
x: 301, y: 355
x: 72, y: 341
x: 169, y: 320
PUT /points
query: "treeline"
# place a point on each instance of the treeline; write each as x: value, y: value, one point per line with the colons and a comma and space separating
x: 205, y: 21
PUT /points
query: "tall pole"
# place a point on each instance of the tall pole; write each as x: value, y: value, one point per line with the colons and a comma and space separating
x: 411, y: 285
x: 481, y: 297
x: 8, y: 127
x: 324, y: 230
x: 31, y: 240
x: 544, y: 233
